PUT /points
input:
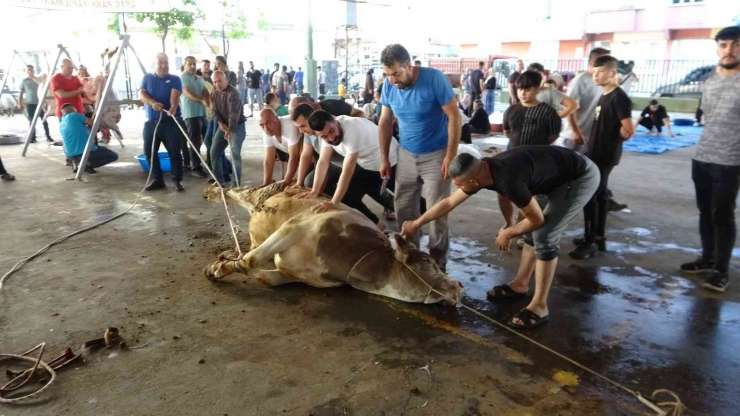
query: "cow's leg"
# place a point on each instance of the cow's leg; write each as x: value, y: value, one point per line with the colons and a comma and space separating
x: 281, y: 240
x: 269, y: 277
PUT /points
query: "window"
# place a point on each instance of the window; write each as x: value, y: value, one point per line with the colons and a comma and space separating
x: 686, y: 1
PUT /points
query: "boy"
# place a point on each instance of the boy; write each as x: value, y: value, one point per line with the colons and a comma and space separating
x: 612, y: 126
x: 530, y: 122
x: 74, y: 129
x: 342, y: 90
x: 654, y: 115
x: 273, y: 101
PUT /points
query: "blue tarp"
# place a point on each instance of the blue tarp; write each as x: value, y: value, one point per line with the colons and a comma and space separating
x: 654, y: 145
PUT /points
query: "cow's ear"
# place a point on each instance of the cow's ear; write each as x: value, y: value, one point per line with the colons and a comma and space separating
x: 403, y: 245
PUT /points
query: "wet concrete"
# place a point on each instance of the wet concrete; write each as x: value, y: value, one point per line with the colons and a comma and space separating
x: 295, y: 350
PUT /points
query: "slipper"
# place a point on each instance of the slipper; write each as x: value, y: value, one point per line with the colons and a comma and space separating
x: 7, y: 177
x: 504, y: 292
x: 530, y: 320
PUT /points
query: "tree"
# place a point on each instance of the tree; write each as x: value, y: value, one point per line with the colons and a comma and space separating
x: 180, y: 22
x: 234, y: 24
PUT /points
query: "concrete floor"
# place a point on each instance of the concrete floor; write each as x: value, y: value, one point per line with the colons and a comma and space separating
x: 238, y: 349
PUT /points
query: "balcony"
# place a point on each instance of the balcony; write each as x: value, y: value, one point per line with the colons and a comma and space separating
x: 686, y: 16
x: 610, y: 21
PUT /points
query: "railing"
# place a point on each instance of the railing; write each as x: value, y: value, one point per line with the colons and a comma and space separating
x: 656, y: 77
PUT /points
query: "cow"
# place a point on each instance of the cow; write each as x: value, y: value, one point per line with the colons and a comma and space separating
x: 289, y: 243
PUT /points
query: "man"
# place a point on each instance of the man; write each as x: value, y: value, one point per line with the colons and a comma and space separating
x: 74, y: 129
x: 321, y: 81
x: 512, y: 82
x: 280, y: 80
x: 193, y: 102
x: 654, y: 116
x: 272, y: 101
x: 716, y: 165
x: 612, y: 126
x: 254, y: 77
x: 553, y: 97
x: 429, y: 126
x: 626, y: 80
x: 67, y: 89
x: 586, y: 93
x: 465, y: 81
x: 160, y: 93
x: 281, y: 140
x: 266, y: 77
x: 342, y: 89
x: 567, y: 178
x: 356, y: 139
x: 29, y: 101
x: 301, y: 110
x: 205, y: 71
x: 476, y: 81
x: 530, y: 122
x: 299, y: 81
x: 291, y: 77
x: 229, y: 114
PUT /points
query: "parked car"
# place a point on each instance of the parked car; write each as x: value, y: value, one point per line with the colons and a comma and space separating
x: 689, y: 87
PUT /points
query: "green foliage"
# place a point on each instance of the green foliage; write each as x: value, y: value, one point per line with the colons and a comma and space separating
x: 179, y: 22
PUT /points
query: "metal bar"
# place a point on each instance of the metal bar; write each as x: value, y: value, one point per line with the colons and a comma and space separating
x: 97, y: 117
x: 42, y: 97
x: 131, y: 47
x: 7, y: 74
x: 68, y: 56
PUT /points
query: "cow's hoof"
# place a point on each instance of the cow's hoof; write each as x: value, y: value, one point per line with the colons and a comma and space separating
x: 213, y: 272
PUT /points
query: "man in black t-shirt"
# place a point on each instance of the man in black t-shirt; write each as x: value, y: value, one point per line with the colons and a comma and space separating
x: 476, y: 80
x: 254, y: 78
x: 654, y: 116
x: 567, y: 178
x: 612, y: 126
x: 339, y: 108
x: 513, y: 99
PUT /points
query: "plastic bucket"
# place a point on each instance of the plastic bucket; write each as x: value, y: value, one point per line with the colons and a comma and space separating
x: 164, y: 162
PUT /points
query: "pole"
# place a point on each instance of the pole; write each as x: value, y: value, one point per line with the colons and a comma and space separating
x: 346, y: 54
x: 7, y: 74
x: 97, y: 117
x: 42, y: 97
x: 310, y: 62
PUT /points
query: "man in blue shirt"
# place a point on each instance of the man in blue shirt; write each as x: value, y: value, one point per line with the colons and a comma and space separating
x: 299, y: 81
x: 74, y: 129
x: 266, y: 81
x: 429, y: 128
x: 160, y: 93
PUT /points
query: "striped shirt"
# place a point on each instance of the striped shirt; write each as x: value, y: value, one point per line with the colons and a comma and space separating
x: 531, y: 126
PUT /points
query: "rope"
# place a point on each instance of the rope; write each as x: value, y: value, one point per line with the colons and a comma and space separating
x: 676, y: 406
x: 44, y: 249
x: 37, y: 363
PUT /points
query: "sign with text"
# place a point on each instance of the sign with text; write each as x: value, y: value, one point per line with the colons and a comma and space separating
x: 104, y: 6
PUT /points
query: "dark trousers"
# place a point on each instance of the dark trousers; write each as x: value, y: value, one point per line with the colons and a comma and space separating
x: 596, y: 209
x: 322, y: 88
x: 211, y: 128
x: 716, y: 192
x: 647, y: 122
x: 465, y: 135
x: 362, y: 184
x: 2, y: 168
x: 99, y: 157
x: 169, y: 134
x: 30, y: 111
x: 194, y: 127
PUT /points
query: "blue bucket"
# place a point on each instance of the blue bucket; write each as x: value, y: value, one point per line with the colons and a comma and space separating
x: 683, y: 122
x: 164, y: 162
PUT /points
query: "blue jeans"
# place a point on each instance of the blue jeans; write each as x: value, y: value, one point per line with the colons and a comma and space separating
x: 169, y: 134
x: 219, y: 146
x: 208, y: 140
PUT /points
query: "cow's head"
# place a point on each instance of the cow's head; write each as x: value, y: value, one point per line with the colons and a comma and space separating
x: 423, y: 265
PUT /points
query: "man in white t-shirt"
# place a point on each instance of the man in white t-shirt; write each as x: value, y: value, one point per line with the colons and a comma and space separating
x: 586, y: 93
x: 283, y: 141
x: 626, y: 80
x: 321, y: 81
x: 356, y: 139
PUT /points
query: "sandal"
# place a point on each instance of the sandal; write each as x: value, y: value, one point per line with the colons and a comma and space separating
x: 7, y: 177
x: 504, y: 292
x: 530, y: 320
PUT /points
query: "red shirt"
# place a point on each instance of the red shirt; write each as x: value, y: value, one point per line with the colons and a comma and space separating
x: 61, y: 83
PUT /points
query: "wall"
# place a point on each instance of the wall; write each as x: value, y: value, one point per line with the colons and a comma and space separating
x: 571, y: 49
x: 518, y: 49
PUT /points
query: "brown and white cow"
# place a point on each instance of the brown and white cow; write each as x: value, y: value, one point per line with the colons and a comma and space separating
x: 291, y: 244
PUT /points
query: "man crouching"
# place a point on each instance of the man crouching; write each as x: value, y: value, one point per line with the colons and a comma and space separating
x: 74, y: 129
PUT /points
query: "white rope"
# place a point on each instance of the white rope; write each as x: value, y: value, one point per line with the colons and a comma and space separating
x: 37, y: 363
x: 44, y: 249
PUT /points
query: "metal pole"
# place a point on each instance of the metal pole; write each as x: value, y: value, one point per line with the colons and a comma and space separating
x: 310, y: 62
x: 7, y: 74
x: 69, y: 56
x: 42, y: 97
x: 97, y: 117
x: 143, y: 68
x: 346, y: 56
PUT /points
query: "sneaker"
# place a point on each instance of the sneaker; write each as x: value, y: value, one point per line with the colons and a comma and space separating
x: 179, y: 187
x: 186, y: 167
x: 717, y: 283
x: 90, y: 170
x: 7, y: 177
x: 600, y: 244
x: 227, y: 178
x: 33, y: 140
x: 698, y: 266
x: 584, y: 251
x: 154, y: 185
x: 198, y: 173
x: 614, y: 206
x: 49, y: 139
